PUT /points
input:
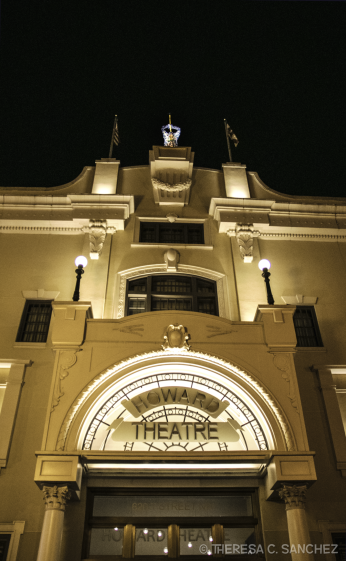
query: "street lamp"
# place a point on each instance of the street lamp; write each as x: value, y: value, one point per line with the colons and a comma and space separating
x: 80, y: 262
x: 265, y: 265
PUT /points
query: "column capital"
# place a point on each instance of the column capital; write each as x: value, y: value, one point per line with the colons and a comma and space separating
x: 294, y: 496
x: 55, y: 498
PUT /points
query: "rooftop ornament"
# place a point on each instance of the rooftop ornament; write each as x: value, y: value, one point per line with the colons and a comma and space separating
x: 170, y: 138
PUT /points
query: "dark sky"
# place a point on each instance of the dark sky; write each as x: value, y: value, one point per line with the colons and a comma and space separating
x: 275, y: 70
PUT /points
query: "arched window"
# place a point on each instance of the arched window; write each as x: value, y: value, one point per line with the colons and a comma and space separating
x: 171, y: 292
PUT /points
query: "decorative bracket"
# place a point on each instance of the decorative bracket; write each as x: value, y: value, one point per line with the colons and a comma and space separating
x: 97, y: 231
x: 171, y: 259
x: 245, y: 234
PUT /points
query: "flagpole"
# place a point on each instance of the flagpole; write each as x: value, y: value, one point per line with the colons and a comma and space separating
x: 112, y: 141
x: 228, y: 142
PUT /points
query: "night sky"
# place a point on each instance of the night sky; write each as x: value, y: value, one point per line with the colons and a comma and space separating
x: 275, y: 70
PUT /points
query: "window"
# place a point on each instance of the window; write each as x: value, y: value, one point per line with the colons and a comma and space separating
x: 167, y: 233
x: 306, y: 326
x: 339, y: 539
x: 171, y: 292
x: 35, y: 321
x: 4, y: 545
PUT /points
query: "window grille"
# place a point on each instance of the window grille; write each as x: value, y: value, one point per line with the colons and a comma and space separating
x: 179, y: 233
x: 171, y: 292
x: 35, y: 321
x: 306, y: 326
x: 340, y: 540
x: 4, y: 545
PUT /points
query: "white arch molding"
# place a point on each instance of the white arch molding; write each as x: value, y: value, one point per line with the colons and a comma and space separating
x: 208, y: 371
x: 159, y: 269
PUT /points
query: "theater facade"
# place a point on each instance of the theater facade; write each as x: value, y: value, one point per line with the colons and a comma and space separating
x: 167, y: 410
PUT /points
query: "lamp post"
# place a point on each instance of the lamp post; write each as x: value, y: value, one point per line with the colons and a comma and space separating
x: 265, y: 265
x: 80, y: 262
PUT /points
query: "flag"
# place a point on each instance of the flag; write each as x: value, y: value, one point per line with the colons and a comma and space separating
x: 231, y: 135
x: 116, y: 138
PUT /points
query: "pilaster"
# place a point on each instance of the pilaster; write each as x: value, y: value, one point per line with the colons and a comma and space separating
x: 69, y: 321
x: 236, y: 183
x: 106, y: 176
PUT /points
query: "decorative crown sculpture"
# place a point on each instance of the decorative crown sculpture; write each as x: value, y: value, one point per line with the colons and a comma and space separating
x: 170, y: 138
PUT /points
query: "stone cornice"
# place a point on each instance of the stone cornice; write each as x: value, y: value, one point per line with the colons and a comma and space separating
x: 62, y: 214
x: 270, y: 219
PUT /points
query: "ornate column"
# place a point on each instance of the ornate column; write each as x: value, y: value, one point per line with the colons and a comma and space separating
x: 298, y: 531
x: 55, y: 500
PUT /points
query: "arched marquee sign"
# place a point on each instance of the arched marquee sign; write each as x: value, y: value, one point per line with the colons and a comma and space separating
x: 175, y: 401
x: 175, y: 411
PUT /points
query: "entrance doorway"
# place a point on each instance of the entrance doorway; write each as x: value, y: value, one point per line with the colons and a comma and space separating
x: 171, y: 523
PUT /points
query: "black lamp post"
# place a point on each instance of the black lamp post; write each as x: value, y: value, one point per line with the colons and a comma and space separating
x: 80, y: 262
x: 265, y: 265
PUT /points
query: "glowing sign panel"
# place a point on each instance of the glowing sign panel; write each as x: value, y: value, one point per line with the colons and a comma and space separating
x: 175, y: 432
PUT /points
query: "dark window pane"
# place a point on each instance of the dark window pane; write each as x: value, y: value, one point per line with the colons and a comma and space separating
x: 205, y: 286
x: 171, y: 285
x: 180, y: 233
x: 138, y: 285
x: 306, y: 327
x: 339, y: 539
x: 195, y: 234
x: 136, y: 306
x: 207, y: 306
x: 148, y: 232
x: 35, y: 322
x: 4, y: 545
x: 158, y: 304
x: 172, y: 233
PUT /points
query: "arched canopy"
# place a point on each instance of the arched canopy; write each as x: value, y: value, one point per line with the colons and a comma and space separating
x: 171, y: 386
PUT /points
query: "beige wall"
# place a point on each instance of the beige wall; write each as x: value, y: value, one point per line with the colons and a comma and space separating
x: 46, y: 261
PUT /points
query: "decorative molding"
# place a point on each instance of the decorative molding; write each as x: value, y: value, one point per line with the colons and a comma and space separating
x: 171, y: 258
x: 282, y: 361
x: 55, y: 498
x: 158, y: 269
x: 290, y: 235
x: 39, y: 230
x: 131, y: 329
x: 176, y: 336
x: 212, y: 360
x: 67, y: 359
x: 245, y: 234
x: 172, y: 217
x: 294, y: 496
x: 40, y: 294
x: 216, y: 331
x: 171, y: 188
x: 300, y: 299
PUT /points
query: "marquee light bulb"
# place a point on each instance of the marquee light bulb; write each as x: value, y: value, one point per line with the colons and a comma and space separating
x: 145, y: 531
x: 81, y: 261
x: 210, y: 539
x: 189, y: 544
x: 159, y: 533
x: 264, y: 264
x: 165, y: 550
x: 116, y: 528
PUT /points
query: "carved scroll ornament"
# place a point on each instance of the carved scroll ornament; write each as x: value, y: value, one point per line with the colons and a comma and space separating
x: 182, y: 186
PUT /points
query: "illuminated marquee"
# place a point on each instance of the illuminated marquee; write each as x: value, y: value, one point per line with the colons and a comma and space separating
x: 174, y: 432
x: 168, y: 403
